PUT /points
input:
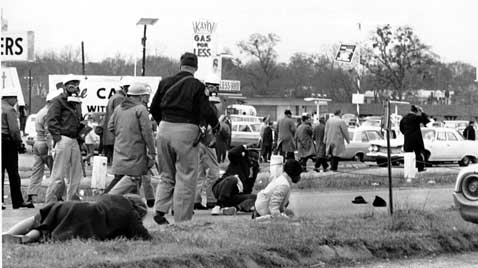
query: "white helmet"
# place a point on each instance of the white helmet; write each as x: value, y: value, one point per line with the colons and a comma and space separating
x: 8, y: 92
x: 136, y: 89
x: 69, y: 78
x: 53, y: 93
x: 126, y: 81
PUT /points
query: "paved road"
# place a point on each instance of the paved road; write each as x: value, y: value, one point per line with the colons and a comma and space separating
x: 467, y: 260
x: 317, y: 204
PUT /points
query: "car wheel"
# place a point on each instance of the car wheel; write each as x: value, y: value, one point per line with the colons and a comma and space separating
x: 469, y: 187
x: 465, y: 161
x: 358, y: 157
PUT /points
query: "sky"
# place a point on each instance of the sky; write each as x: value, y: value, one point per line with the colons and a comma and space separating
x: 109, y: 27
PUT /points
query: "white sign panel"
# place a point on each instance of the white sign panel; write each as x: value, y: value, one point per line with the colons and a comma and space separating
x: 17, y: 46
x: 229, y: 86
x: 345, y: 53
x: 205, y: 47
x: 99, y: 89
x: 10, y: 79
x: 358, y: 98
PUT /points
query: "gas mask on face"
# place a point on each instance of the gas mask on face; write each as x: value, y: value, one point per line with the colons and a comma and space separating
x: 73, y: 93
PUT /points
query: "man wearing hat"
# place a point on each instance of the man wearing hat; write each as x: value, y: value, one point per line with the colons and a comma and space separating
x: 64, y: 124
x: 41, y: 148
x: 134, y: 151
x: 286, y: 133
x: 115, y: 100
x: 179, y: 105
x: 11, y: 146
x: 412, y: 134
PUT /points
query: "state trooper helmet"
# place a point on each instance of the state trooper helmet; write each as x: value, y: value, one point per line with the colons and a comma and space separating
x: 126, y: 81
x: 8, y: 92
x: 70, y: 78
x: 137, y: 89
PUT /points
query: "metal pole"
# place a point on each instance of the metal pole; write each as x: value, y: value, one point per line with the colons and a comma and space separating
x: 389, y: 159
x: 144, y: 51
x: 82, y: 58
x: 30, y: 91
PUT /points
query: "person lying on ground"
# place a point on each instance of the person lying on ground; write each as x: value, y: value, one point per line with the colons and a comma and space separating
x: 272, y: 201
x: 111, y: 216
x: 233, y: 190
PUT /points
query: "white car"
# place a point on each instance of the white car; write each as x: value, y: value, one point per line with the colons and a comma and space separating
x: 360, y: 139
x: 466, y: 193
x: 245, y: 133
x: 441, y: 145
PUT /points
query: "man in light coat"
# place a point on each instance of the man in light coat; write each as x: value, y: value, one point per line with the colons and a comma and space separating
x: 134, y: 151
x: 286, y: 133
x: 305, y: 142
x: 336, y: 131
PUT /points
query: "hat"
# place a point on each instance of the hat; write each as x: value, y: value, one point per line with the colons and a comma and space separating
x: 359, y: 200
x: 287, y: 112
x: 189, y: 59
x: 126, y: 81
x: 53, y: 93
x: 9, y: 92
x: 293, y: 168
x: 136, y: 89
x: 379, y: 202
x: 69, y: 78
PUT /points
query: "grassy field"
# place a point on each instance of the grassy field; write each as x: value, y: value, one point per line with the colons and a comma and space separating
x: 247, y: 243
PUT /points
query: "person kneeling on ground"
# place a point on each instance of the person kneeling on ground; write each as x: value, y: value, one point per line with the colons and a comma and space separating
x: 271, y: 202
x: 233, y: 189
x: 111, y: 216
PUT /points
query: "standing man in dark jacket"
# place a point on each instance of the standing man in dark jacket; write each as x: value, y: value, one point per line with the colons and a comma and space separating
x: 318, y: 136
x: 410, y: 127
x: 305, y: 142
x: 286, y: 133
x: 469, y: 132
x: 64, y: 124
x: 115, y: 100
x: 222, y: 139
x: 179, y: 105
x: 267, y: 140
x: 11, y: 146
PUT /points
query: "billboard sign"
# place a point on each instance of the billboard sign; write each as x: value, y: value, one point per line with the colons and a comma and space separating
x: 345, y: 53
x: 17, y: 46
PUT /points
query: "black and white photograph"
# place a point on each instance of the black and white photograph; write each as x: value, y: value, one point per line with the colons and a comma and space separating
x: 239, y: 134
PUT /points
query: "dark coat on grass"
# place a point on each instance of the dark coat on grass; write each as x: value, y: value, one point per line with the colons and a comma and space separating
x: 111, y: 216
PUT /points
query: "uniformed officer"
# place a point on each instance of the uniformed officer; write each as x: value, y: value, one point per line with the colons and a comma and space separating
x: 41, y: 147
x: 11, y: 146
x: 179, y: 105
x: 64, y: 124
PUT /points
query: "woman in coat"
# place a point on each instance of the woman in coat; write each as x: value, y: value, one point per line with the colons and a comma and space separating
x: 111, y: 216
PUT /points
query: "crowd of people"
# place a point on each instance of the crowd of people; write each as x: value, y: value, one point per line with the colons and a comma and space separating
x: 191, y: 140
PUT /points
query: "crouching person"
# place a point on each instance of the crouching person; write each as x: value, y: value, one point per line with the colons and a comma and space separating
x: 233, y: 189
x: 111, y: 216
x: 272, y: 201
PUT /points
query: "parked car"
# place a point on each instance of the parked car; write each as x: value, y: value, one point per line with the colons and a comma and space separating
x: 246, y: 133
x: 30, y: 131
x: 466, y: 193
x: 441, y: 145
x: 459, y: 125
x: 360, y: 139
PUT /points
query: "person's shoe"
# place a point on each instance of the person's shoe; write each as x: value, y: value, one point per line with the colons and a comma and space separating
x: 150, y: 203
x: 24, y: 205
x: 160, y: 220
x: 216, y: 210
x: 199, y: 206
x: 229, y: 211
x: 14, y: 239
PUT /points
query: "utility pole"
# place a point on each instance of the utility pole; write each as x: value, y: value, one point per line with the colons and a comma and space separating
x: 30, y: 91
x: 82, y: 58
x: 145, y: 22
x: 144, y: 51
x: 389, y: 158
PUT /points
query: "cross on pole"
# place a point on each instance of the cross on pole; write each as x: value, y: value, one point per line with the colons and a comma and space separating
x: 3, y: 79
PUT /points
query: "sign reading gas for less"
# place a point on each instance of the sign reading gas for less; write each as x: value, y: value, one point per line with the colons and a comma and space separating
x: 17, y: 46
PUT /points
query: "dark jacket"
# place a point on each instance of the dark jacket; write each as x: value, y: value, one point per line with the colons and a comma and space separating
x: 111, y: 216
x: 10, y: 127
x: 410, y: 127
x: 267, y: 138
x: 115, y: 100
x: 64, y: 118
x: 469, y: 133
x: 186, y: 103
x: 318, y: 136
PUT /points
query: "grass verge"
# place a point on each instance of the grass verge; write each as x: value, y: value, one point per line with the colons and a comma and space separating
x: 246, y: 243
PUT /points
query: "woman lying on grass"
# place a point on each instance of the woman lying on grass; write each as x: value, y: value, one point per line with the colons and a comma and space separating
x: 272, y: 201
x: 111, y: 216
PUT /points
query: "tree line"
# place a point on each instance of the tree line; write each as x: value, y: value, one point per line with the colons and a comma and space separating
x: 392, y: 62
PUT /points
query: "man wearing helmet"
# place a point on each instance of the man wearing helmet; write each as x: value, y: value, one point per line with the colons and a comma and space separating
x: 64, y: 124
x: 11, y: 146
x: 134, y: 151
x: 41, y: 147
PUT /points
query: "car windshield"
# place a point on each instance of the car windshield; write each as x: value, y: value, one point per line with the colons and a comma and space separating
x: 371, y: 124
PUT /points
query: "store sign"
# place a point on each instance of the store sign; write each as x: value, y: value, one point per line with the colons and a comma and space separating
x: 345, y: 53
x: 229, y: 86
x: 17, y: 46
